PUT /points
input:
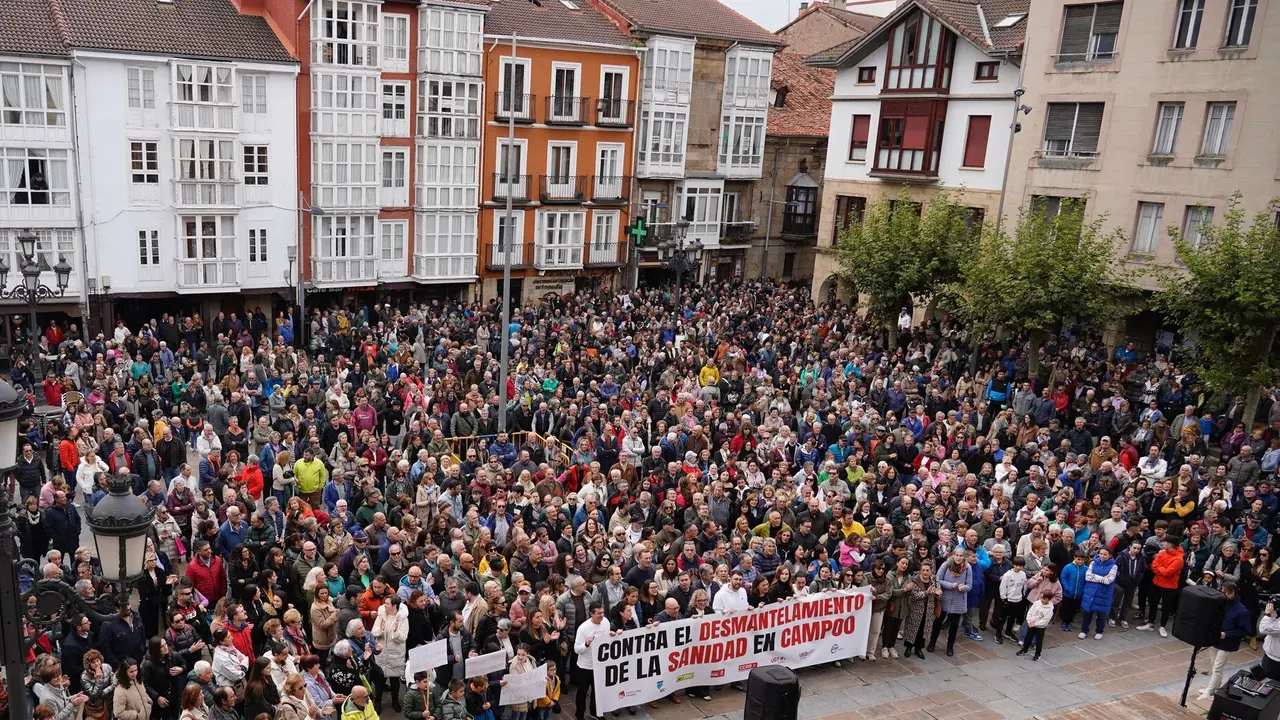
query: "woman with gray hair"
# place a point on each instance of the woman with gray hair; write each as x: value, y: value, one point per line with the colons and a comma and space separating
x: 346, y: 668
x: 364, y: 647
x: 1224, y: 565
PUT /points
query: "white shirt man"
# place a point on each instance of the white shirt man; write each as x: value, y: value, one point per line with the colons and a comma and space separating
x: 732, y: 597
x: 590, y: 632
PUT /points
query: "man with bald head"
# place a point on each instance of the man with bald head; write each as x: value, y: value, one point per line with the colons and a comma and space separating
x: 357, y: 706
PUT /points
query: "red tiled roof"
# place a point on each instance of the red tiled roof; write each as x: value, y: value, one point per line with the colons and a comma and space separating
x: 692, y: 18
x: 962, y: 15
x: 28, y: 28
x: 861, y: 21
x: 185, y: 28
x: 806, y: 112
x: 552, y: 19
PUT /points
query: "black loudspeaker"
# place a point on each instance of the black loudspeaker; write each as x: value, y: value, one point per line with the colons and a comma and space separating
x: 773, y: 693
x: 1200, y: 614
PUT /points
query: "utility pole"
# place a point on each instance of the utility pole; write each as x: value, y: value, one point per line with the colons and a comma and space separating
x: 506, y: 244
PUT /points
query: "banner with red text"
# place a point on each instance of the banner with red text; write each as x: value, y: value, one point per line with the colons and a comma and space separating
x: 638, y: 666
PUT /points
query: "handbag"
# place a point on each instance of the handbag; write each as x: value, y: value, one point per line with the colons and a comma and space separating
x: 182, y: 547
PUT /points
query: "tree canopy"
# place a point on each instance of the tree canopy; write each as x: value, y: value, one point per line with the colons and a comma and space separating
x: 1051, y: 268
x: 896, y: 256
x: 1227, y: 292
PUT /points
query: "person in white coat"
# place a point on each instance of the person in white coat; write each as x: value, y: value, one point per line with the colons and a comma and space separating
x: 90, y: 466
x: 391, y: 628
x: 229, y: 664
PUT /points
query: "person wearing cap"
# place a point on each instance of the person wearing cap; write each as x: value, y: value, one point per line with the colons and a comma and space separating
x: 359, y: 546
x: 1252, y: 530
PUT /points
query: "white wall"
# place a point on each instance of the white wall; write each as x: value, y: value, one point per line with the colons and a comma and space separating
x: 112, y: 218
x: 966, y: 98
x: 15, y: 218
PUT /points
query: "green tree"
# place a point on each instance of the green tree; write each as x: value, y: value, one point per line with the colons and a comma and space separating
x: 1227, y: 290
x: 1049, y: 269
x: 896, y: 255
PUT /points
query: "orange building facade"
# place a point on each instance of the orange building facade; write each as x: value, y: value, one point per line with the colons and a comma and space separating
x: 389, y: 104
x: 569, y: 93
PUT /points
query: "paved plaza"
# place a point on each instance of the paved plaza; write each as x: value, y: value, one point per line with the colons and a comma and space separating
x: 984, y: 681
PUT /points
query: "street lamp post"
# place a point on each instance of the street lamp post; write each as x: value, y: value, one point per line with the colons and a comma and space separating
x: 300, y: 293
x: 119, y: 524
x: 680, y: 254
x: 32, y: 290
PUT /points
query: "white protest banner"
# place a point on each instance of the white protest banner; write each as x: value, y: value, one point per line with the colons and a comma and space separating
x: 525, y: 687
x: 485, y: 664
x: 426, y: 657
x: 638, y: 666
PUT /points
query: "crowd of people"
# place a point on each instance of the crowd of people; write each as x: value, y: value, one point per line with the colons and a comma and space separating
x: 326, y: 502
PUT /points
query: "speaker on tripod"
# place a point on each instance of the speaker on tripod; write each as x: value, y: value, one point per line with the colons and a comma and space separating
x: 1198, y: 623
x: 773, y: 693
x: 1200, y: 614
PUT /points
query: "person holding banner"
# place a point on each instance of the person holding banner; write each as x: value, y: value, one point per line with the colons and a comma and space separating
x: 669, y: 613
x: 881, y: 592
x: 422, y: 699
x: 699, y: 607
x: 522, y: 663
x: 459, y: 649
x: 595, y: 628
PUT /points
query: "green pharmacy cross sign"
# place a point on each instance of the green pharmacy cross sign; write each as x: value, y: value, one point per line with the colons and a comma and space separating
x: 638, y: 232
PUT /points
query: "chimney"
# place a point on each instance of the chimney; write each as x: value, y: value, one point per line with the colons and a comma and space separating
x: 837, y: 4
x: 803, y: 6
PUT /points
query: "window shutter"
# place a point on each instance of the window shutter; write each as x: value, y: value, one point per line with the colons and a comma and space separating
x: 1088, y: 128
x: 975, y: 143
x: 1062, y: 117
x: 861, y: 128
x: 1106, y: 21
x: 1076, y: 23
x: 913, y: 134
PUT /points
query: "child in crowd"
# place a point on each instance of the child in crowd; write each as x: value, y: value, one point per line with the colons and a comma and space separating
x: 1038, y: 618
x: 1013, y: 603
x: 543, y: 707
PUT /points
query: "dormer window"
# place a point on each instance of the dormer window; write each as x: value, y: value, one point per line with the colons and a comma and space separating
x: 920, y: 54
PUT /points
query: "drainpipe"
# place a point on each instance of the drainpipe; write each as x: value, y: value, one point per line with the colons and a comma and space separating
x: 80, y: 226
